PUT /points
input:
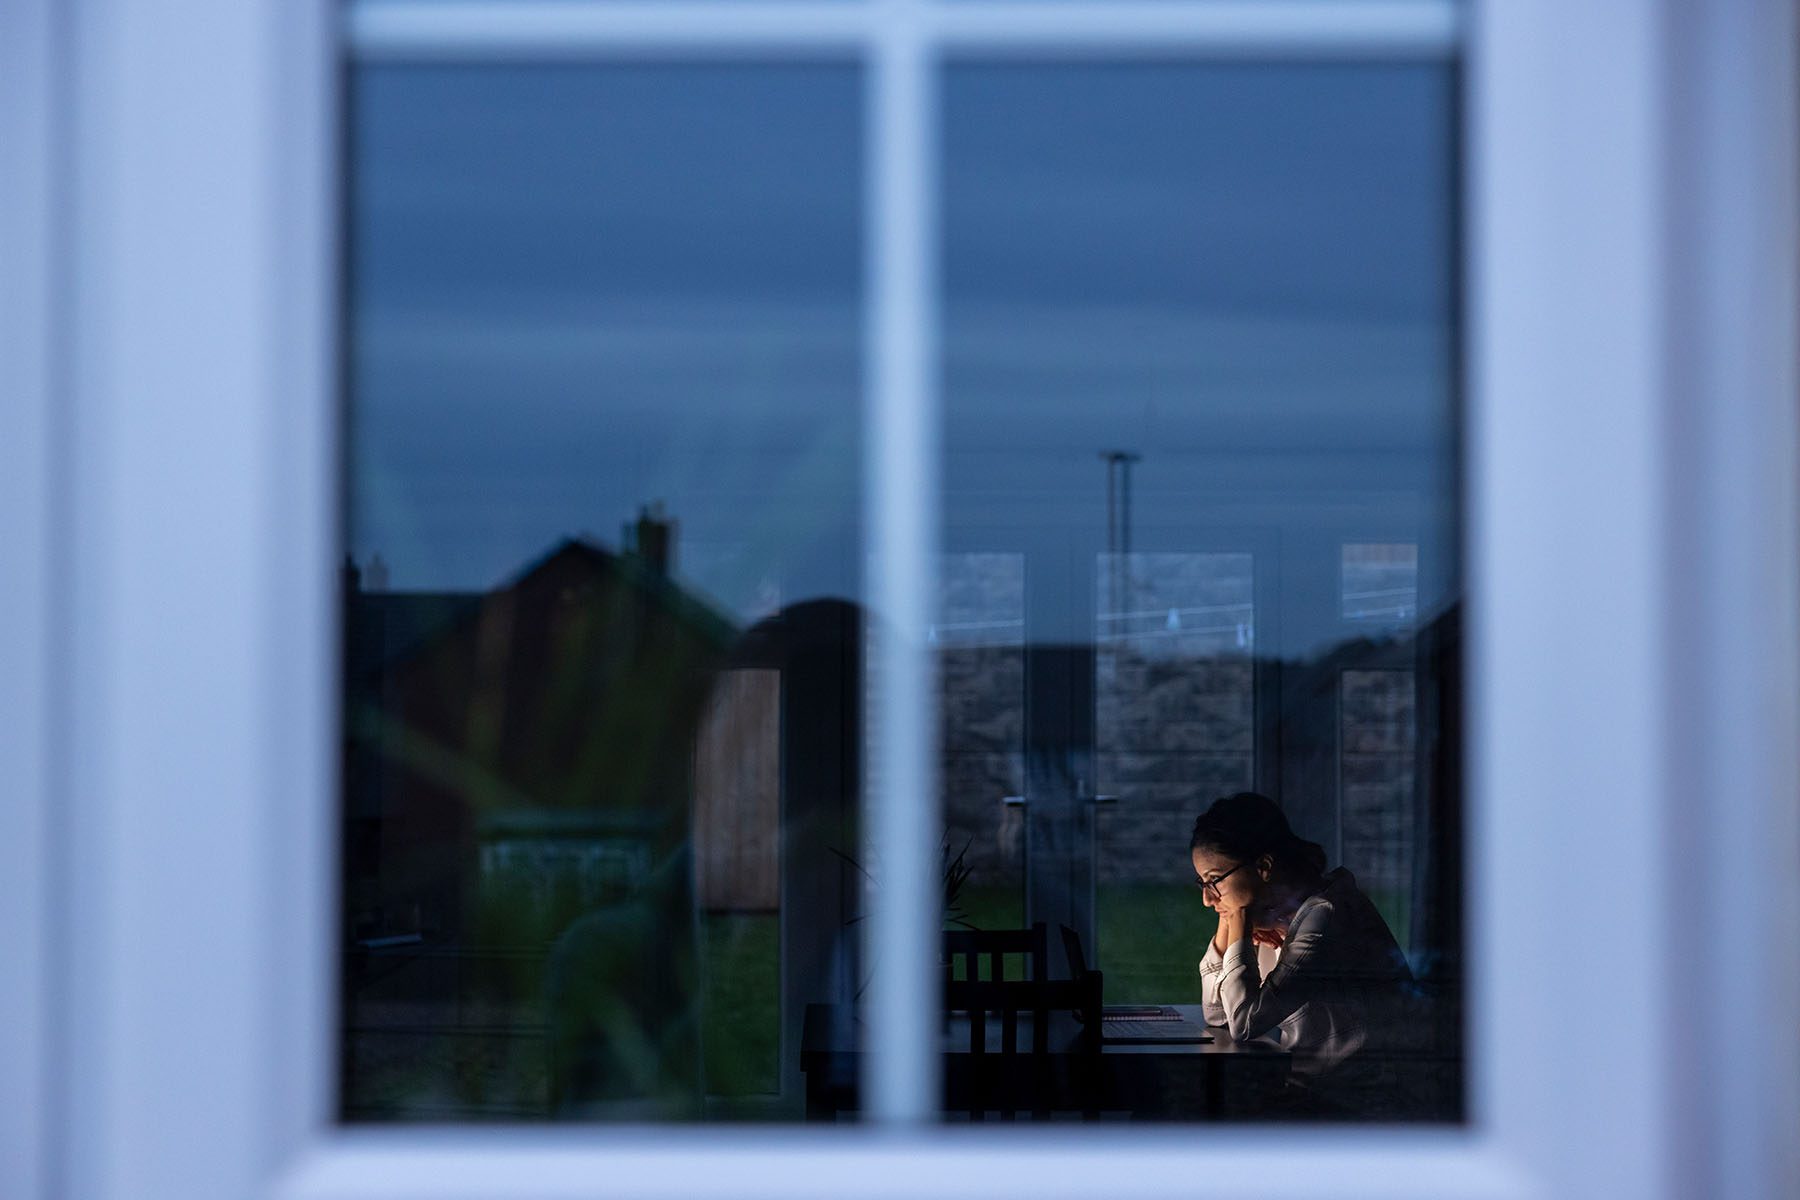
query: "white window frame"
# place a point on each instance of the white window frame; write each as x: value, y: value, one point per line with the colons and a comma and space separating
x: 1634, y: 656
x: 28, y: 302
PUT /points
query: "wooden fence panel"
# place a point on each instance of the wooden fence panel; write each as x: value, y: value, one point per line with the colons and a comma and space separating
x: 737, y: 794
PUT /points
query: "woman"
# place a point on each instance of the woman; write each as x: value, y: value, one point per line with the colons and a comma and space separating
x: 1339, y: 997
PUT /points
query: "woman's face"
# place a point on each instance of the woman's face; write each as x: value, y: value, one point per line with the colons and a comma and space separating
x: 1236, y: 885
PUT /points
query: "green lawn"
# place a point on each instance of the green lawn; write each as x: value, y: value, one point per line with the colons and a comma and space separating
x: 740, y: 1030
x: 992, y: 907
x: 1150, y: 937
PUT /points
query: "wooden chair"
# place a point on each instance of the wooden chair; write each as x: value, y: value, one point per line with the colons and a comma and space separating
x: 967, y: 947
x: 1041, y: 1076
x: 1059, y: 1070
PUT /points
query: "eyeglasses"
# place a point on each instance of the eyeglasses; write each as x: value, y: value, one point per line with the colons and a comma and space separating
x: 1212, y: 885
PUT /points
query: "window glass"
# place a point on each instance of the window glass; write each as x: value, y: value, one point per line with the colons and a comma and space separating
x: 602, y: 619
x: 979, y: 642
x: 604, y: 660
x: 1199, y: 340
x: 1174, y: 717
x: 1381, y: 582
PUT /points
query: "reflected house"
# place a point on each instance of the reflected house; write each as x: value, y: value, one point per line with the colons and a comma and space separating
x: 520, y: 887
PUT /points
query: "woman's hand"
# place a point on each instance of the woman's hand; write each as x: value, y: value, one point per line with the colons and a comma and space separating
x: 1234, y: 927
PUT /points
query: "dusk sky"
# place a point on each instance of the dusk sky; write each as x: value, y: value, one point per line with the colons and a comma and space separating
x: 580, y: 289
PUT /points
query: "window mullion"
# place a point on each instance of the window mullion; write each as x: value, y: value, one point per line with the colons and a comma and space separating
x: 902, y: 529
x: 551, y: 30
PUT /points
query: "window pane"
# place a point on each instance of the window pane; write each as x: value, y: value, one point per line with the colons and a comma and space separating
x: 1174, y: 717
x: 602, y: 618
x: 980, y: 645
x: 1381, y: 582
x: 1200, y: 382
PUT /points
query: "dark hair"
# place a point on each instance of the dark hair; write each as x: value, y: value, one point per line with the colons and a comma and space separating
x: 1247, y: 825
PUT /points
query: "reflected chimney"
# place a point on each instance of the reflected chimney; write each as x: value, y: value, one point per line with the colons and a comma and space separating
x: 654, y: 539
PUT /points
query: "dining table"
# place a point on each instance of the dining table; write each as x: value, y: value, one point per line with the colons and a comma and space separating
x: 1212, y: 1080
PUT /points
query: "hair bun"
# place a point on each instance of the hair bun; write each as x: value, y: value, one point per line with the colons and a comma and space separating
x: 1248, y: 825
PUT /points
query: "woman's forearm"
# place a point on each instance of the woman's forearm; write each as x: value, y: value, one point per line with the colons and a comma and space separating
x: 1234, y: 927
x: 1245, y: 933
x: 1240, y: 985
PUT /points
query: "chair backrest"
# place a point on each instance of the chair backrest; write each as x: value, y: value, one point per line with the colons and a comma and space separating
x: 1008, y: 1000
x: 967, y: 947
x: 1059, y: 1071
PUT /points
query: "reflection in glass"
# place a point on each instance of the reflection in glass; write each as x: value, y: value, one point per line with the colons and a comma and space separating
x: 602, y: 628
x: 1381, y: 582
x: 1378, y: 746
x: 980, y: 648
x: 1174, y: 718
x: 1199, y: 332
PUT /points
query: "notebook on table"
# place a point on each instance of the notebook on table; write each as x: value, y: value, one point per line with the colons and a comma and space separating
x: 1148, y: 1023
x: 1140, y: 1023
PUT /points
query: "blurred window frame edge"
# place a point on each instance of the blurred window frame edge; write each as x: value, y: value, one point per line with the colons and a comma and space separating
x: 1621, y: 322
x: 28, y: 435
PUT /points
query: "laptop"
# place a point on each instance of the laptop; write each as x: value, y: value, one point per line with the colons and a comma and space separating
x: 1144, y: 1024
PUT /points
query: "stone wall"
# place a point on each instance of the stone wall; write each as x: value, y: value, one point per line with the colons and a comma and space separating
x: 1174, y: 721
